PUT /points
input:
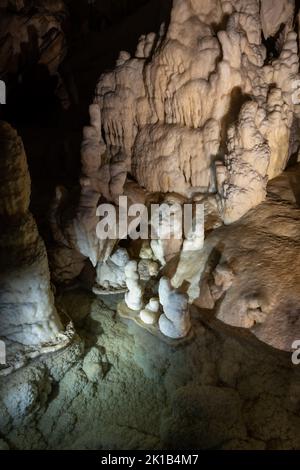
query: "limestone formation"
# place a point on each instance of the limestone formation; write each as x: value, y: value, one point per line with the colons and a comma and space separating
x: 176, y: 127
x: 175, y: 321
x: 111, y: 273
x: 274, y: 14
x: 148, y: 269
x: 148, y: 265
x: 211, y: 118
x: 134, y: 296
x: 149, y: 314
x: 76, y: 234
x: 248, y: 271
x: 167, y: 228
x: 29, y: 322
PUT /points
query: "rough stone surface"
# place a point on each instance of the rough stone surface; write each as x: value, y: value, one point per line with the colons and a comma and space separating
x: 111, y: 274
x: 234, y: 394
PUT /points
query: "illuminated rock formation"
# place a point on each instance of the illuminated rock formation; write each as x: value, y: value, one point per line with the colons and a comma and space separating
x: 149, y: 314
x: 111, y: 273
x: 175, y: 321
x: 274, y: 14
x: 29, y: 322
x: 249, y: 271
x: 134, y: 296
x: 175, y: 127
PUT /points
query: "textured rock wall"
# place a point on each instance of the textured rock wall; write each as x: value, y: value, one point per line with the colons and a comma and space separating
x: 130, y: 390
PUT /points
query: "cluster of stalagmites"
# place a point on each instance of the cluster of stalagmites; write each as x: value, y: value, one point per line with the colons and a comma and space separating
x: 169, y: 311
x: 202, y: 113
x: 29, y: 322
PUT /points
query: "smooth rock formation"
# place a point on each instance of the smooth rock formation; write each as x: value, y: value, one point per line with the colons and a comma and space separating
x: 175, y: 321
x: 29, y: 322
x: 134, y: 296
x: 149, y: 314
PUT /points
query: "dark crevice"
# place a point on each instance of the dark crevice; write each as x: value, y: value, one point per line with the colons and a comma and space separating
x: 273, y: 45
x: 237, y: 99
x: 220, y: 26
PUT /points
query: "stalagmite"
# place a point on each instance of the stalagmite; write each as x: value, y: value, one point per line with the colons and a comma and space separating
x: 134, y: 296
x: 149, y: 314
x: 175, y: 321
x: 29, y: 322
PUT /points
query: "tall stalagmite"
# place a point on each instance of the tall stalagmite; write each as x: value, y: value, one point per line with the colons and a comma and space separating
x: 29, y: 322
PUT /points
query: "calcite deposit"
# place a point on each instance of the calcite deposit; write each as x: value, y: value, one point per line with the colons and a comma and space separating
x: 175, y: 321
x: 29, y: 322
x: 248, y: 271
x: 209, y: 111
x: 134, y: 296
x: 76, y: 233
x: 111, y: 273
x: 211, y: 118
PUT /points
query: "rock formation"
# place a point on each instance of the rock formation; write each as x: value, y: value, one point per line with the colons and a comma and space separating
x: 111, y: 273
x: 200, y: 350
x: 175, y: 321
x: 248, y: 271
x: 175, y: 127
x: 75, y: 231
x: 134, y: 296
x: 149, y: 314
x: 29, y: 322
x: 211, y: 118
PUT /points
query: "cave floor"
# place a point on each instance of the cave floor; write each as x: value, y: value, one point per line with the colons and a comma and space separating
x: 119, y: 387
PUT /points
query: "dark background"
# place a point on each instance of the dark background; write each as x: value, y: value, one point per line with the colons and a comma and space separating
x: 94, y: 36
